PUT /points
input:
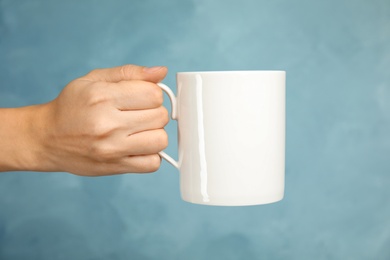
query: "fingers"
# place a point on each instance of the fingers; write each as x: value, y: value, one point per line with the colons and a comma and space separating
x: 135, y: 95
x: 136, y: 153
x: 140, y: 100
x: 143, y: 163
x: 147, y: 142
x: 128, y: 72
x: 129, y: 164
x: 142, y: 143
x: 143, y: 120
x: 138, y: 164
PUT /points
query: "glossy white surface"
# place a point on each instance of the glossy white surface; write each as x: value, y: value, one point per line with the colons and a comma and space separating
x: 231, y: 136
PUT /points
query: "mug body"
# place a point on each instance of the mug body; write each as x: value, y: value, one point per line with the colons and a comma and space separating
x: 231, y: 136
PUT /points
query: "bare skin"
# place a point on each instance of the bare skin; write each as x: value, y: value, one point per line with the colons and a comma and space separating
x: 109, y: 121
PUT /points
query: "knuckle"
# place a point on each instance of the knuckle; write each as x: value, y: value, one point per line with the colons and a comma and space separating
x: 100, y: 128
x: 147, y: 163
x: 164, y: 115
x: 162, y: 140
x: 103, y: 151
x: 154, y: 162
x: 95, y: 95
x: 156, y: 95
x: 92, y: 73
x: 127, y: 71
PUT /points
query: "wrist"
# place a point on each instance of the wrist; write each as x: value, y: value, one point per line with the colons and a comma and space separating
x: 21, y: 139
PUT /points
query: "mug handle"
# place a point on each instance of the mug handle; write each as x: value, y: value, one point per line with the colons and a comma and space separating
x: 173, y: 100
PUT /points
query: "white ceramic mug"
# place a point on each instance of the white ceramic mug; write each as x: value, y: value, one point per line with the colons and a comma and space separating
x: 231, y: 127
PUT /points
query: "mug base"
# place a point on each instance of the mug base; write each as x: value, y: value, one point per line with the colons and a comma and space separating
x: 236, y: 201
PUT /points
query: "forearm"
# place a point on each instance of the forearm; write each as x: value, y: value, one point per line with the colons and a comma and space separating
x: 19, y: 138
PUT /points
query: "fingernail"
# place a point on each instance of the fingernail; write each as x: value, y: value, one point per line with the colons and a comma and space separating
x: 153, y: 69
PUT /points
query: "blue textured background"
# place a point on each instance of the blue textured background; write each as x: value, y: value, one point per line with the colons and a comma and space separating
x: 337, y: 57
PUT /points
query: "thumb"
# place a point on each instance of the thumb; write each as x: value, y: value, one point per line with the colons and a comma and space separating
x: 128, y: 72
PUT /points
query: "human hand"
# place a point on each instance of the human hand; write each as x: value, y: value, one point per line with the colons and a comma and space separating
x: 109, y: 121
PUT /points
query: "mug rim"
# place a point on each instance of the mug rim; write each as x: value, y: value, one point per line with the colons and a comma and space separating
x: 231, y: 72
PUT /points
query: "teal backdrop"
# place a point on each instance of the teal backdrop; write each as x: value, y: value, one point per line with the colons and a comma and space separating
x: 337, y: 57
